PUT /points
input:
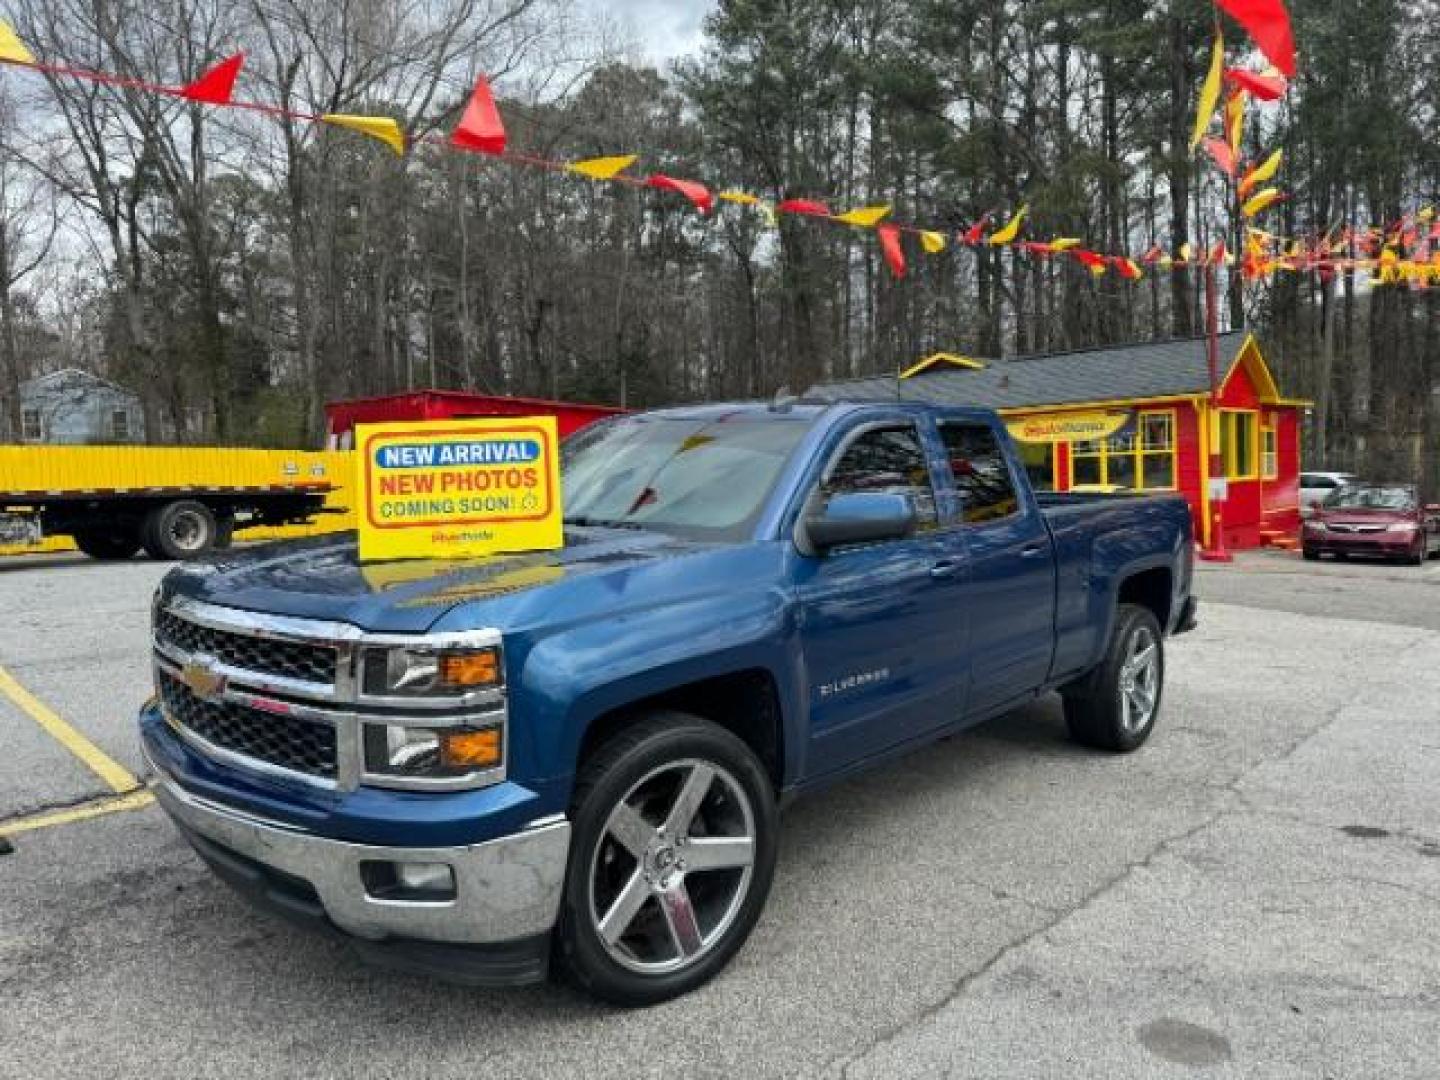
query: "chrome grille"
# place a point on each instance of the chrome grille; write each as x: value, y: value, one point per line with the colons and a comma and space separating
x: 304, y: 746
x: 264, y: 656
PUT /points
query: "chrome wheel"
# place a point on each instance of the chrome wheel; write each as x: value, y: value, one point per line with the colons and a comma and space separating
x: 672, y: 867
x: 1139, y: 680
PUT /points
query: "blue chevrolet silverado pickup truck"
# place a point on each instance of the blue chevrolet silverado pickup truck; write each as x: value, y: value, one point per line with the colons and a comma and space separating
x: 574, y: 759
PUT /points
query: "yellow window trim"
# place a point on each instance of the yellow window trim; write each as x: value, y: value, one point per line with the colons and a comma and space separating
x: 1269, y: 452
x: 1138, y: 453
x: 1227, y: 419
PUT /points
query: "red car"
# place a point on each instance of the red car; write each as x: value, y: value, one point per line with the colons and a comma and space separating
x: 1382, y: 520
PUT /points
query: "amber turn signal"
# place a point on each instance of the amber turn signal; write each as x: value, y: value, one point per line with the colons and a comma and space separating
x: 470, y: 669
x: 470, y: 749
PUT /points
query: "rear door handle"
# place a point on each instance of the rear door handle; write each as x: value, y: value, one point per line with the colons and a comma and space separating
x: 945, y: 569
x: 1034, y: 551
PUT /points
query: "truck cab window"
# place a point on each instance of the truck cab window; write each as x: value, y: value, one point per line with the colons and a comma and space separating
x: 889, y: 460
x: 982, y: 475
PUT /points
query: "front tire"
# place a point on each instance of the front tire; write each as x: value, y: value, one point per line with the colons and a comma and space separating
x: 1311, y: 556
x: 1115, y: 707
x: 671, y: 859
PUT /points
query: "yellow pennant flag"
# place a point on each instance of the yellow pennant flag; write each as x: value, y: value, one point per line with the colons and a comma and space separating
x: 740, y: 198
x: 603, y: 168
x: 1186, y: 252
x: 1065, y: 243
x: 1260, y: 202
x: 1011, y: 230
x: 932, y: 242
x: 12, y: 49
x: 377, y: 127
x: 866, y: 216
x: 1426, y: 214
x: 1261, y: 173
x: 1210, y: 92
x: 1235, y: 121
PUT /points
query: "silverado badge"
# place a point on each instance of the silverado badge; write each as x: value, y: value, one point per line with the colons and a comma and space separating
x: 200, y: 675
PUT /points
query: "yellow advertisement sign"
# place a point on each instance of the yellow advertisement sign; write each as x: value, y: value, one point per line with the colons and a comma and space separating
x: 452, y: 489
x: 1068, y: 427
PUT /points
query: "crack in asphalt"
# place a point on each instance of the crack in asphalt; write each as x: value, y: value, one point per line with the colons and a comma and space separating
x: 88, y: 799
x: 1228, y: 792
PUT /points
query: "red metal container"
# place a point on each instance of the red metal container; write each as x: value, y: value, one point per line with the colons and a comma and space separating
x: 342, y: 416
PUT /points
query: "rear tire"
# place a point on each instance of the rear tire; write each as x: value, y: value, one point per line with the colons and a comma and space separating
x: 107, y: 545
x: 1115, y: 707
x: 637, y: 925
x: 1311, y: 556
x: 179, y: 531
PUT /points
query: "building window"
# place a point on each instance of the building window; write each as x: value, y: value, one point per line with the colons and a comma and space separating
x: 1239, y: 444
x: 31, y: 430
x: 120, y: 425
x: 1269, y: 454
x: 1142, y: 458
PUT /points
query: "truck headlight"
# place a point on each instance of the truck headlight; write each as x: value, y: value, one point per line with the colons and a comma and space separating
x: 439, y: 753
x: 1402, y: 527
x: 421, y: 672
x: 1316, y: 526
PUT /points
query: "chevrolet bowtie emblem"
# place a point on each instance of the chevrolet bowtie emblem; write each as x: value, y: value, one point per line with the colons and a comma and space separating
x: 203, y: 680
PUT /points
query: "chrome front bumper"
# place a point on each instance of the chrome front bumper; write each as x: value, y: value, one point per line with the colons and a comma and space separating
x: 506, y: 889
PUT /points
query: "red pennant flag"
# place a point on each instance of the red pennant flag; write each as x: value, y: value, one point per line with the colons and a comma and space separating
x: 1088, y: 258
x: 808, y: 207
x: 976, y: 234
x: 890, y: 245
x: 698, y: 194
x: 1035, y: 247
x: 1153, y: 256
x: 216, y: 86
x: 481, y: 128
x: 1223, y: 155
x: 1268, y: 23
x: 1260, y: 87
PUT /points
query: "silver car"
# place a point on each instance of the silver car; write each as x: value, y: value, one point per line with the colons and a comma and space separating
x: 1316, y: 487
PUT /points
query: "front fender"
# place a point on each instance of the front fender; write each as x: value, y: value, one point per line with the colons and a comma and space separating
x: 572, y: 677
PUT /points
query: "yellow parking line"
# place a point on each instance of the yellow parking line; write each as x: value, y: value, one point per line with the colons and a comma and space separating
x: 136, y: 800
x: 101, y: 764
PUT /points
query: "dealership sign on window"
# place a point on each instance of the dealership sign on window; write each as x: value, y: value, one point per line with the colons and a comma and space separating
x: 1069, y: 427
x: 457, y: 488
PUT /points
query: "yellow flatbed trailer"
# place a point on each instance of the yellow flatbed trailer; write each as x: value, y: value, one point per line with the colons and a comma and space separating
x: 174, y: 502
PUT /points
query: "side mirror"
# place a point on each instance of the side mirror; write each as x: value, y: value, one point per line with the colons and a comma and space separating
x: 858, y: 518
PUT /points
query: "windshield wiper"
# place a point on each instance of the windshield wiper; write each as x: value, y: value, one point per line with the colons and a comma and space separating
x: 601, y: 523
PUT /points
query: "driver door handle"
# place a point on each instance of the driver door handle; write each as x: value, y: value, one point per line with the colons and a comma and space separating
x: 946, y: 569
x: 1034, y: 551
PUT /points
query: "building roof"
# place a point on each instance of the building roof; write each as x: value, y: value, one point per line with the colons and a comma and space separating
x: 1111, y: 373
x: 72, y: 375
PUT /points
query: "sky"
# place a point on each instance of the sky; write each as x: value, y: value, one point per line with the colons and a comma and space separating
x: 662, y: 29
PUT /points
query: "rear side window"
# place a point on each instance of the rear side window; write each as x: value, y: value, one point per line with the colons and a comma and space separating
x: 982, y: 475
x: 890, y: 460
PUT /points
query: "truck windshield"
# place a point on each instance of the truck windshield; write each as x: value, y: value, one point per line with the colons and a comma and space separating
x: 703, y: 479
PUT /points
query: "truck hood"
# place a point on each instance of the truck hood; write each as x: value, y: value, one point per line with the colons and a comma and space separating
x: 324, y: 579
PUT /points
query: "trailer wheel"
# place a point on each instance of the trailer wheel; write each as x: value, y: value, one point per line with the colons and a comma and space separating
x: 179, y: 531
x: 108, y: 546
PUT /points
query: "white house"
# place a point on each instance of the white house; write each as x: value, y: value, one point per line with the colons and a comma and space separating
x: 76, y: 407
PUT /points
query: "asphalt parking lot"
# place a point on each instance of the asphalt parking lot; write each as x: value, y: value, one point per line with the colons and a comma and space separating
x: 1254, y: 894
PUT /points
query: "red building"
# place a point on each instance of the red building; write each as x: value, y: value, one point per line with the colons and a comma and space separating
x: 342, y: 416
x: 1136, y: 418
